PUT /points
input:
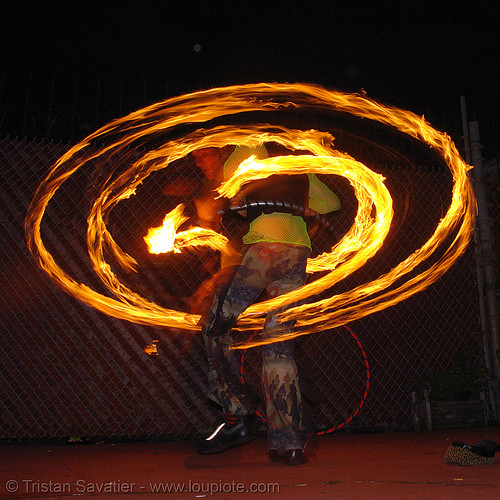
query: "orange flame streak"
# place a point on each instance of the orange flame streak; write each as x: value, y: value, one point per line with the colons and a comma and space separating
x: 362, y: 241
x: 359, y: 244
x: 165, y: 238
x: 199, y: 236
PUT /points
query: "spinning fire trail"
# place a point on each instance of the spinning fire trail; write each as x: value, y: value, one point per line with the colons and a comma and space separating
x: 361, y: 242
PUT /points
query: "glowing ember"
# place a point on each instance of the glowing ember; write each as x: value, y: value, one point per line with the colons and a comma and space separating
x: 362, y: 241
x: 152, y: 349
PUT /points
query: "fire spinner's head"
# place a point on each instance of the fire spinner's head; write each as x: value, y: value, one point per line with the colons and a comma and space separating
x: 210, y: 161
x: 214, y: 161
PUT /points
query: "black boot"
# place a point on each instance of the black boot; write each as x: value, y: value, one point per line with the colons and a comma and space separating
x: 225, y: 437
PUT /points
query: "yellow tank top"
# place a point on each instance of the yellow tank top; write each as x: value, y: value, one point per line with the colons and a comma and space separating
x: 278, y: 227
x: 287, y: 228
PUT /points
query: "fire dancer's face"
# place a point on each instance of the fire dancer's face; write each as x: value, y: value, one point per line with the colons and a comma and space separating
x: 209, y: 161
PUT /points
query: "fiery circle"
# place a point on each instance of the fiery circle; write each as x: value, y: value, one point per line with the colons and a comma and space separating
x: 361, y: 242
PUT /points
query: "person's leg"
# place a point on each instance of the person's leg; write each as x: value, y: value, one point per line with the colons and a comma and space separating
x: 245, y: 287
x: 283, y: 399
x: 224, y: 383
x: 279, y: 371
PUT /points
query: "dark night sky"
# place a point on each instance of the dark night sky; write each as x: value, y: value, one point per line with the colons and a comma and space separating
x: 418, y: 55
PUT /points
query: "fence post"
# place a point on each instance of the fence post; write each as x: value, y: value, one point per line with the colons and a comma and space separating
x: 491, y: 340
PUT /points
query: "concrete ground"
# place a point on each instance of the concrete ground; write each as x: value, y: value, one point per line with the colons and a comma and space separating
x: 397, y: 465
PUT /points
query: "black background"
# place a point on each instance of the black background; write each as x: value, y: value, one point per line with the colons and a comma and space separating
x: 418, y: 55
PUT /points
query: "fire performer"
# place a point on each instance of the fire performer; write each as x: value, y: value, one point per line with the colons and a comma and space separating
x: 274, y: 258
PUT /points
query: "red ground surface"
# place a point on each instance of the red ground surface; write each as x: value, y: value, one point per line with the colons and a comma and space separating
x: 368, y: 466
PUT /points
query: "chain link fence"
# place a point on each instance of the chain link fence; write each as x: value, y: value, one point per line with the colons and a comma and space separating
x: 69, y: 370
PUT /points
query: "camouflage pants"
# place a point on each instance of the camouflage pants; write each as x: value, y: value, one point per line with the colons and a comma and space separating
x: 276, y: 268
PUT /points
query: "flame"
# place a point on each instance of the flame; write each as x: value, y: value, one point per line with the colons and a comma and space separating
x: 365, y: 236
x: 162, y: 239
x: 165, y: 238
x: 362, y: 241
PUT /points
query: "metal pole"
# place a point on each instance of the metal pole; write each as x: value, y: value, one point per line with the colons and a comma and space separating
x: 477, y: 249
x: 465, y: 130
x: 492, y: 343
